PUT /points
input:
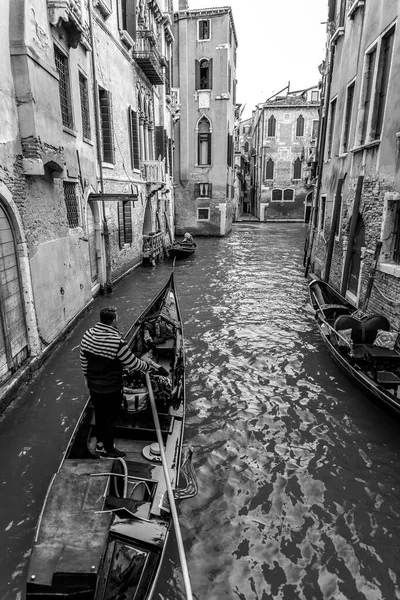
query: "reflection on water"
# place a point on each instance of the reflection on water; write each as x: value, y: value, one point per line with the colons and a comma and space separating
x: 299, y: 486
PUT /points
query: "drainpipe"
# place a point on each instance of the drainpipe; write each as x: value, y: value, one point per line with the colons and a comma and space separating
x: 106, y: 235
x: 319, y: 159
x: 352, y: 233
x: 335, y: 216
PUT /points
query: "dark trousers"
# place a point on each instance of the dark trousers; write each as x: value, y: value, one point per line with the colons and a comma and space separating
x: 106, y: 411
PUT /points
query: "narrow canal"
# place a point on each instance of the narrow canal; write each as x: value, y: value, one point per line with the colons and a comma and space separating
x: 298, y: 473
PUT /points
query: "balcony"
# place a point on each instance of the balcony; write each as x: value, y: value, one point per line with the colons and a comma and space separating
x: 67, y: 13
x: 154, y: 174
x: 147, y: 56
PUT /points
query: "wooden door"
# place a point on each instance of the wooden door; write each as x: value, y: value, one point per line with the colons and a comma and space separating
x: 13, y: 336
x: 92, y: 243
x: 359, y: 242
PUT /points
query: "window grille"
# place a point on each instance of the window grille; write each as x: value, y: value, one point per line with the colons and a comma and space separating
x: 288, y: 195
x: 64, y: 87
x: 203, y: 214
x: 396, y: 236
x: 71, y: 203
x: 276, y: 195
x: 83, y: 90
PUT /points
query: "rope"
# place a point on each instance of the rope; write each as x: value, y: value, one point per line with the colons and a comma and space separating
x: 395, y: 302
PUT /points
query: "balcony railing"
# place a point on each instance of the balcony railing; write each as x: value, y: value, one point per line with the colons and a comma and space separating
x: 148, y: 57
x: 154, y: 171
x: 153, y: 245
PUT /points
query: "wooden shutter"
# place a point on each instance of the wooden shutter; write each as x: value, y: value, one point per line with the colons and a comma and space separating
x: 131, y: 18
x: 197, y: 74
x: 159, y: 142
x: 128, y: 237
x: 121, y: 224
x: 300, y: 126
x: 209, y: 148
x: 210, y: 73
x: 165, y: 148
x: 107, y: 125
x: 134, y: 136
x: 170, y: 156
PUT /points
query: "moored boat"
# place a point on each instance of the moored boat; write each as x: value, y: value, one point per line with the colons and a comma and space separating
x: 105, y: 523
x: 182, y: 249
x: 361, y: 345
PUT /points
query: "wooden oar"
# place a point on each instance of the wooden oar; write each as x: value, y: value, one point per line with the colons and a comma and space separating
x: 171, y: 498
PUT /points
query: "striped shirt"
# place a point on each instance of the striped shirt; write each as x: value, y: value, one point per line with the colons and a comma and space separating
x: 104, y: 354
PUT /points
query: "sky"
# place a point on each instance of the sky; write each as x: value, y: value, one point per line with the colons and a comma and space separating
x: 279, y: 41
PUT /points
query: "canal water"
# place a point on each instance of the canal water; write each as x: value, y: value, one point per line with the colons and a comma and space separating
x: 298, y: 473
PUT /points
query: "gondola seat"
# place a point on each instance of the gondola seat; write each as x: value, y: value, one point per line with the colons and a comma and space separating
x: 363, y: 331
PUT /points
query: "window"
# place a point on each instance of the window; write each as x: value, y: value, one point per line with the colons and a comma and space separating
x: 367, y: 91
x: 134, y: 138
x: 269, y: 169
x: 62, y: 67
x: 246, y: 147
x: 128, y: 17
x: 322, y: 207
x: 271, y: 127
x: 276, y: 195
x: 300, y: 126
x: 339, y: 218
x: 204, y: 74
x: 204, y: 29
x: 347, y: 117
x: 83, y: 90
x: 71, y: 203
x: 315, y: 128
x: 229, y: 78
x: 204, y: 143
x: 297, y: 169
x: 203, y: 214
x: 204, y: 190
x: 331, y: 126
x: 385, y: 57
x: 125, y: 222
x: 230, y: 150
x: 314, y: 96
x: 288, y: 195
x: 107, y: 130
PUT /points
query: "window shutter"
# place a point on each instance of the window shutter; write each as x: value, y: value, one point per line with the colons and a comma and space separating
x: 210, y: 73
x: 134, y: 133
x: 159, y: 142
x: 128, y: 222
x: 121, y: 224
x: 165, y: 148
x: 170, y: 156
x: 197, y: 74
x: 131, y: 18
x: 210, y: 190
x: 107, y: 125
x: 209, y: 148
x: 300, y: 126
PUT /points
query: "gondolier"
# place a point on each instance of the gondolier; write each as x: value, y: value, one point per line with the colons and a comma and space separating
x: 104, y: 354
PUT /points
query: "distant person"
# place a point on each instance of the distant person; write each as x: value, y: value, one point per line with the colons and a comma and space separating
x: 188, y: 238
x: 104, y: 354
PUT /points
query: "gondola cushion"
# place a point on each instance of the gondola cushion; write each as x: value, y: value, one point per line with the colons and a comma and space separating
x: 386, y: 339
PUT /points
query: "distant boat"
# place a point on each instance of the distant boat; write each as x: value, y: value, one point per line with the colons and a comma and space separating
x: 105, y: 523
x: 182, y: 249
x: 349, y: 338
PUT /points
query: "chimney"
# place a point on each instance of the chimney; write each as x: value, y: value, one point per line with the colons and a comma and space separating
x: 183, y: 4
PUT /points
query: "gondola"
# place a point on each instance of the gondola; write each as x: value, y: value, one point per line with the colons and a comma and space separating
x: 361, y: 345
x: 105, y: 522
x: 182, y: 249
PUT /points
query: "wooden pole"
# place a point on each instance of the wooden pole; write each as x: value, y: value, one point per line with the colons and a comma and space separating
x: 171, y: 498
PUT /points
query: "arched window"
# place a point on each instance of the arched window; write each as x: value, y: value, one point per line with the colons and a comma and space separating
x: 204, y: 74
x: 288, y: 195
x: 204, y: 142
x: 276, y: 195
x: 269, y: 169
x: 246, y: 147
x: 300, y: 126
x: 297, y: 169
x: 271, y: 128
